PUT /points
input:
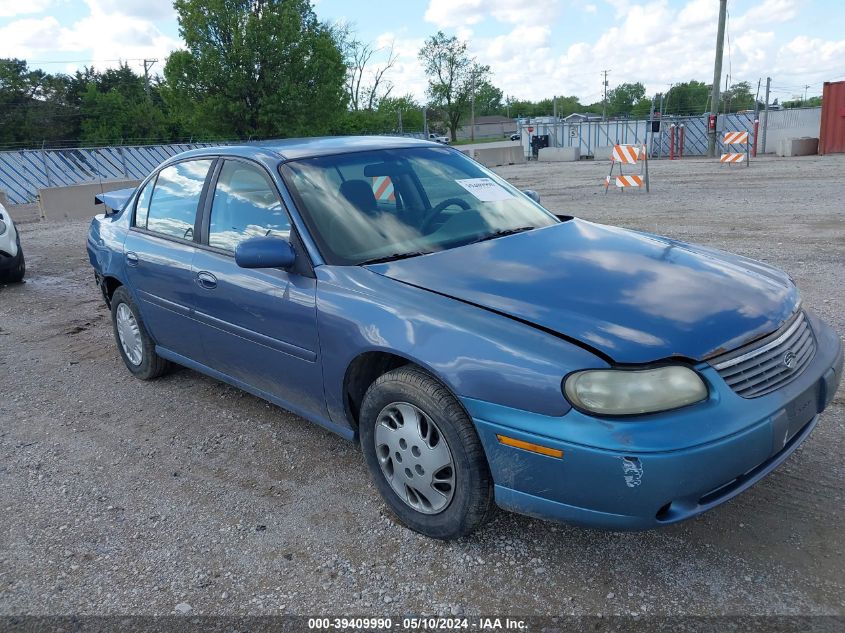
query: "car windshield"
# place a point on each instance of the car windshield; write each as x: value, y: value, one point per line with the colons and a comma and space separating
x: 387, y: 204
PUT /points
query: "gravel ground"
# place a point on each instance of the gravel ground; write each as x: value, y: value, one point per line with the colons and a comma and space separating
x: 123, y: 497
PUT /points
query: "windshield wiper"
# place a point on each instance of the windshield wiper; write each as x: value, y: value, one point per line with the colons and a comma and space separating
x: 501, y: 233
x: 393, y: 257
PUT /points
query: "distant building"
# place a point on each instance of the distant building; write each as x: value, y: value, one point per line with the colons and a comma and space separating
x: 577, y: 117
x: 493, y: 126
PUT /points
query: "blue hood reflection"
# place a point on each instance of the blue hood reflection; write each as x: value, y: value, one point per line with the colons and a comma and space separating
x: 634, y: 297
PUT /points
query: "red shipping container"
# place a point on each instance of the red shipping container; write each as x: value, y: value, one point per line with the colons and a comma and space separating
x: 832, y: 133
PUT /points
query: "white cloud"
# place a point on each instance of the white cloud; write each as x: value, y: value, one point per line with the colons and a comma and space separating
x: 635, y: 49
x: 590, y: 8
x: 805, y: 58
x: 147, y: 9
x: 13, y: 8
x: 22, y: 38
x: 455, y: 13
x: 112, y: 35
x: 103, y: 36
x: 767, y: 12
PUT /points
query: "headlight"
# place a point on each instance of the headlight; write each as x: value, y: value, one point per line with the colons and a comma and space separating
x: 626, y: 392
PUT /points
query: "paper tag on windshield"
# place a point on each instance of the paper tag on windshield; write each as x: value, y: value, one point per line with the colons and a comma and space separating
x: 485, y: 189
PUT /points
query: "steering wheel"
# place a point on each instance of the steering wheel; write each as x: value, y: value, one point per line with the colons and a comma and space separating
x: 440, y: 208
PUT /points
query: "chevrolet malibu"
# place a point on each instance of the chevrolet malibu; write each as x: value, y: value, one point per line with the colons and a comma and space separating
x: 479, y: 348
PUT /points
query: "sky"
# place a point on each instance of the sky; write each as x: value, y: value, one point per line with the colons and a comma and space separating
x: 535, y: 48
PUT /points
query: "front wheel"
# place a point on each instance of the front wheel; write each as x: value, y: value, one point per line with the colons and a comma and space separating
x: 424, y: 455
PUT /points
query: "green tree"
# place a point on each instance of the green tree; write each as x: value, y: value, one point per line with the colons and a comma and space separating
x: 34, y: 106
x: 451, y: 73
x: 488, y: 99
x: 688, y: 98
x: 260, y: 68
x: 811, y: 102
x: 115, y: 108
x: 621, y: 99
x: 568, y: 105
x: 737, y: 97
x: 412, y: 117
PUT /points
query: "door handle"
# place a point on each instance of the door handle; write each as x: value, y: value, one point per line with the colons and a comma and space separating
x: 132, y: 258
x: 206, y: 280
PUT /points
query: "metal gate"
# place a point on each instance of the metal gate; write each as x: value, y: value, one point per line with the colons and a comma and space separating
x: 589, y: 136
x: 24, y: 172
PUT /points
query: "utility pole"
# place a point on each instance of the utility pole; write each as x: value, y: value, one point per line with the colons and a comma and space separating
x: 148, y: 63
x: 804, y: 102
x: 717, y: 76
x: 766, y: 115
x: 604, y: 100
x: 472, y: 107
x: 400, y: 120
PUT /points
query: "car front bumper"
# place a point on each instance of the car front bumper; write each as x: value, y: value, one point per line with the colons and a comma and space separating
x: 622, y: 488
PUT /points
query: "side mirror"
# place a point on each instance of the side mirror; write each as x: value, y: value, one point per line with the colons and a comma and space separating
x: 265, y: 252
x: 532, y: 194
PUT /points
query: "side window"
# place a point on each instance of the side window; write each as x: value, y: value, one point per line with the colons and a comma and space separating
x: 245, y: 205
x: 173, y: 208
x: 142, y: 206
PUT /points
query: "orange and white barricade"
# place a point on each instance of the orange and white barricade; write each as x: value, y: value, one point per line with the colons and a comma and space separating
x: 735, y: 138
x: 383, y: 189
x: 628, y: 155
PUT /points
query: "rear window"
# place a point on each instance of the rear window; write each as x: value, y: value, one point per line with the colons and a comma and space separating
x: 175, y: 197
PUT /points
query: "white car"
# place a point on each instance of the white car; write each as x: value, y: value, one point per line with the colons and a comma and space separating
x: 12, y: 264
x: 438, y: 139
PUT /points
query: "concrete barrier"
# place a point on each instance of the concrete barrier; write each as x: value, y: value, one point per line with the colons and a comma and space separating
x: 602, y: 153
x: 797, y: 147
x: 496, y: 156
x: 4, y: 199
x: 559, y: 154
x: 77, y: 201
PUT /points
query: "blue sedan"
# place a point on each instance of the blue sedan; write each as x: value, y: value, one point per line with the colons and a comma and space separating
x: 479, y: 348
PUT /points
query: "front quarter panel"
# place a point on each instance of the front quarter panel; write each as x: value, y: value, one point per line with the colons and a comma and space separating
x: 477, y: 353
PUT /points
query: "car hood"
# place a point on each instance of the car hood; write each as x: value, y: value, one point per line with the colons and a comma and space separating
x: 631, y: 296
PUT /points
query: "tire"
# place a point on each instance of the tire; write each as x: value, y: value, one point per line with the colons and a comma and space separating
x: 150, y: 365
x: 398, y: 396
x: 16, y: 273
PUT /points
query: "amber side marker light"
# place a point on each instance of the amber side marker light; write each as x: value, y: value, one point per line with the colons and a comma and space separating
x: 528, y: 446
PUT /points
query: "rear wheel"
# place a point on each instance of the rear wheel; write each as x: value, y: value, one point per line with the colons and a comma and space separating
x: 133, y: 342
x: 424, y: 455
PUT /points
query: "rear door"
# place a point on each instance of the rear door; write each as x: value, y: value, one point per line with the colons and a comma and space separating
x: 259, y: 325
x: 159, y: 250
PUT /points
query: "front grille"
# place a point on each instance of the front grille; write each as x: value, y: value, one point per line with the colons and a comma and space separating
x: 770, y: 363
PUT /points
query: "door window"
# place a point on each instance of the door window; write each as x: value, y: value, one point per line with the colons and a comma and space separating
x: 173, y: 207
x: 245, y: 205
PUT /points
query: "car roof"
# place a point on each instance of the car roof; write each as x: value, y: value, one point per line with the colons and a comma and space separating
x: 295, y: 148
